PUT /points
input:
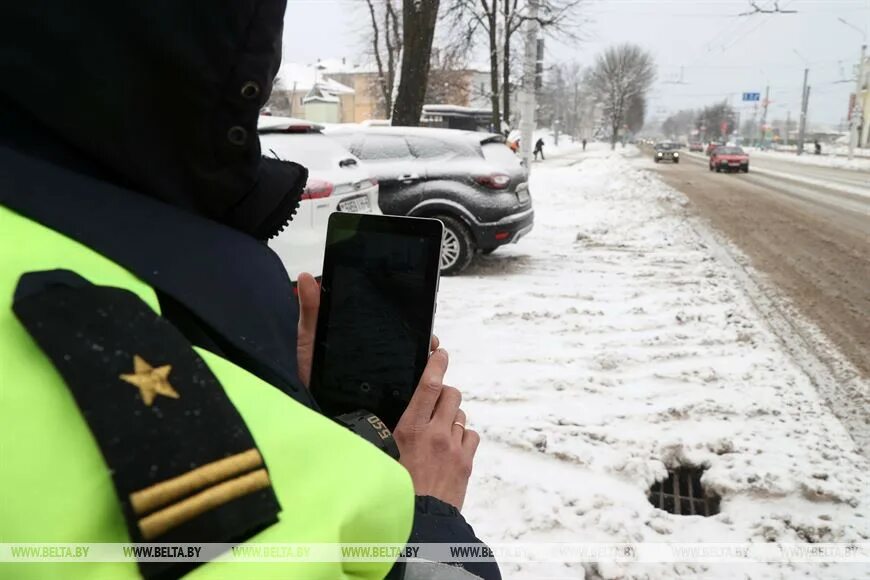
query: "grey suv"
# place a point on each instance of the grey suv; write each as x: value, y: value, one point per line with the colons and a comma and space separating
x: 471, y: 181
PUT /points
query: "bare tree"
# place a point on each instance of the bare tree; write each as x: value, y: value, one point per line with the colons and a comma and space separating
x: 468, y: 18
x: 621, y: 74
x: 566, y: 97
x: 418, y: 32
x: 716, y: 121
x: 386, y: 39
x: 775, y: 9
x: 636, y: 113
x: 448, y: 77
x: 498, y: 21
x: 556, y: 19
x: 679, y: 124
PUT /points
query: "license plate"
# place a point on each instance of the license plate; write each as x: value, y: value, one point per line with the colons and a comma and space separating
x: 358, y: 204
x: 523, y: 195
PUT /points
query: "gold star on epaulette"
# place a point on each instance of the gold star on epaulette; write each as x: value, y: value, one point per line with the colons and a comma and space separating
x: 150, y: 381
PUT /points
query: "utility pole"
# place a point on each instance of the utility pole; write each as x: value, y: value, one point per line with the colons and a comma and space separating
x: 803, y: 122
x: 292, y: 98
x: 527, y: 96
x: 857, y: 108
x: 761, y: 130
x: 787, y: 125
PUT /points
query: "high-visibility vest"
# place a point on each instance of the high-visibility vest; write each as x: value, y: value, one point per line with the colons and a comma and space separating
x: 55, y: 486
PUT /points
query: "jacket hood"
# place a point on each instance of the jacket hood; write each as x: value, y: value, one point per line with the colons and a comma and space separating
x: 162, y: 97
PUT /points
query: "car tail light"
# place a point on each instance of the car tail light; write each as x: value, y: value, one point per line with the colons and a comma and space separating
x: 493, y: 181
x: 317, y: 188
x: 300, y: 128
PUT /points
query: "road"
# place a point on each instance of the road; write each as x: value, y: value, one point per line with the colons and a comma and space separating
x: 849, y: 180
x: 809, y: 233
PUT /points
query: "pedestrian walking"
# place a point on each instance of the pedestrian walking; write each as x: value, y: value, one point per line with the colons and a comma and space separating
x: 539, y: 148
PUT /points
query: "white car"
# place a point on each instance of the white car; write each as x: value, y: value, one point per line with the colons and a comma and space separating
x: 337, y: 181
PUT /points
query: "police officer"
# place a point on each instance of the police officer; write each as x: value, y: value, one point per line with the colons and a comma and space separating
x: 153, y: 383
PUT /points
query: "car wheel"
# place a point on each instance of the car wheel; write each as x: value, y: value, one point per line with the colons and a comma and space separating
x: 718, y: 169
x: 711, y: 167
x: 745, y: 169
x: 457, y: 247
x: 676, y: 160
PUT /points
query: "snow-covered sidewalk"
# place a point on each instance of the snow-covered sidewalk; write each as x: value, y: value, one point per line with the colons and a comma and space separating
x: 611, y: 344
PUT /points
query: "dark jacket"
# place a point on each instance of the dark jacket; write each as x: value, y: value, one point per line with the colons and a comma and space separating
x: 131, y: 128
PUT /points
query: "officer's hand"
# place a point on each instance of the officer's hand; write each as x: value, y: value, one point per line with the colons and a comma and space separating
x: 309, y: 303
x: 436, y: 451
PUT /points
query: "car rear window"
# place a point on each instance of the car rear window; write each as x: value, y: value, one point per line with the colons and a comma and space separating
x: 384, y: 147
x: 312, y: 150
x: 729, y: 151
x: 426, y: 148
x: 500, y: 154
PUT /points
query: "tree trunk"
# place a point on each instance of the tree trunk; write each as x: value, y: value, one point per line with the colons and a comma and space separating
x: 506, y: 62
x: 492, y: 17
x: 418, y: 20
x: 391, y: 69
x: 506, y: 66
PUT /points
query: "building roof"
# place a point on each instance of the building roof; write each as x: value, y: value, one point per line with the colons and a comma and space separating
x: 304, y: 77
x: 319, y: 93
x: 345, y: 66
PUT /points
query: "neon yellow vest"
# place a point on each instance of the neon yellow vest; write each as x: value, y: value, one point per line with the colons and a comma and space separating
x: 55, y: 486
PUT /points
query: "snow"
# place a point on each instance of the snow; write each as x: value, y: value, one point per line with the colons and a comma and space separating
x: 566, y: 146
x: 859, y: 163
x: 614, y: 342
x: 299, y: 77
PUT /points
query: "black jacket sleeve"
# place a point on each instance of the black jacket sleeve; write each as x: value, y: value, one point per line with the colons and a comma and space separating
x: 436, y: 522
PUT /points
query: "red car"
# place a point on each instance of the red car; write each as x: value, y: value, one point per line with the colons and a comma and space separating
x: 725, y: 158
x: 696, y: 146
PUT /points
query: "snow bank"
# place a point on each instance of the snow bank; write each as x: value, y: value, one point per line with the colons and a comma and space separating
x: 611, y: 344
x: 858, y: 163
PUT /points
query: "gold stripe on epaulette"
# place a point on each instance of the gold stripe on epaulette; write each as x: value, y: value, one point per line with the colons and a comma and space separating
x: 162, y: 521
x: 167, y: 491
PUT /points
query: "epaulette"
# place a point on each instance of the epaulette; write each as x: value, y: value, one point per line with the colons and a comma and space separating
x: 184, y: 464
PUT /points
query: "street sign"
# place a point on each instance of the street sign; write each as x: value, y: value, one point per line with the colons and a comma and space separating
x: 751, y: 96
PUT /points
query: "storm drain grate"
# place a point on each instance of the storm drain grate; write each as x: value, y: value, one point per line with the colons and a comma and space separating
x: 681, y: 493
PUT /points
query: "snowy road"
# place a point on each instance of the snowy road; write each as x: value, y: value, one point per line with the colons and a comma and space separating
x: 844, y: 188
x: 812, y: 241
x: 832, y: 176
x: 616, y: 341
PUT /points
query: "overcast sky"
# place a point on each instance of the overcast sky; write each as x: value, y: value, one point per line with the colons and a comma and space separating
x: 704, y: 51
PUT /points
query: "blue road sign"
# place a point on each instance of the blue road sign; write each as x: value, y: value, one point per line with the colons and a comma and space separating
x: 751, y: 96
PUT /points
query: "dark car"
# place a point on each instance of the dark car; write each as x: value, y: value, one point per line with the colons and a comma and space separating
x: 471, y: 181
x: 666, y: 152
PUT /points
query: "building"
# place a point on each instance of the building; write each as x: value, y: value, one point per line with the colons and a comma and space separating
x: 305, y: 92
x: 363, y: 79
x: 337, y: 91
x: 456, y: 117
x: 864, y: 104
